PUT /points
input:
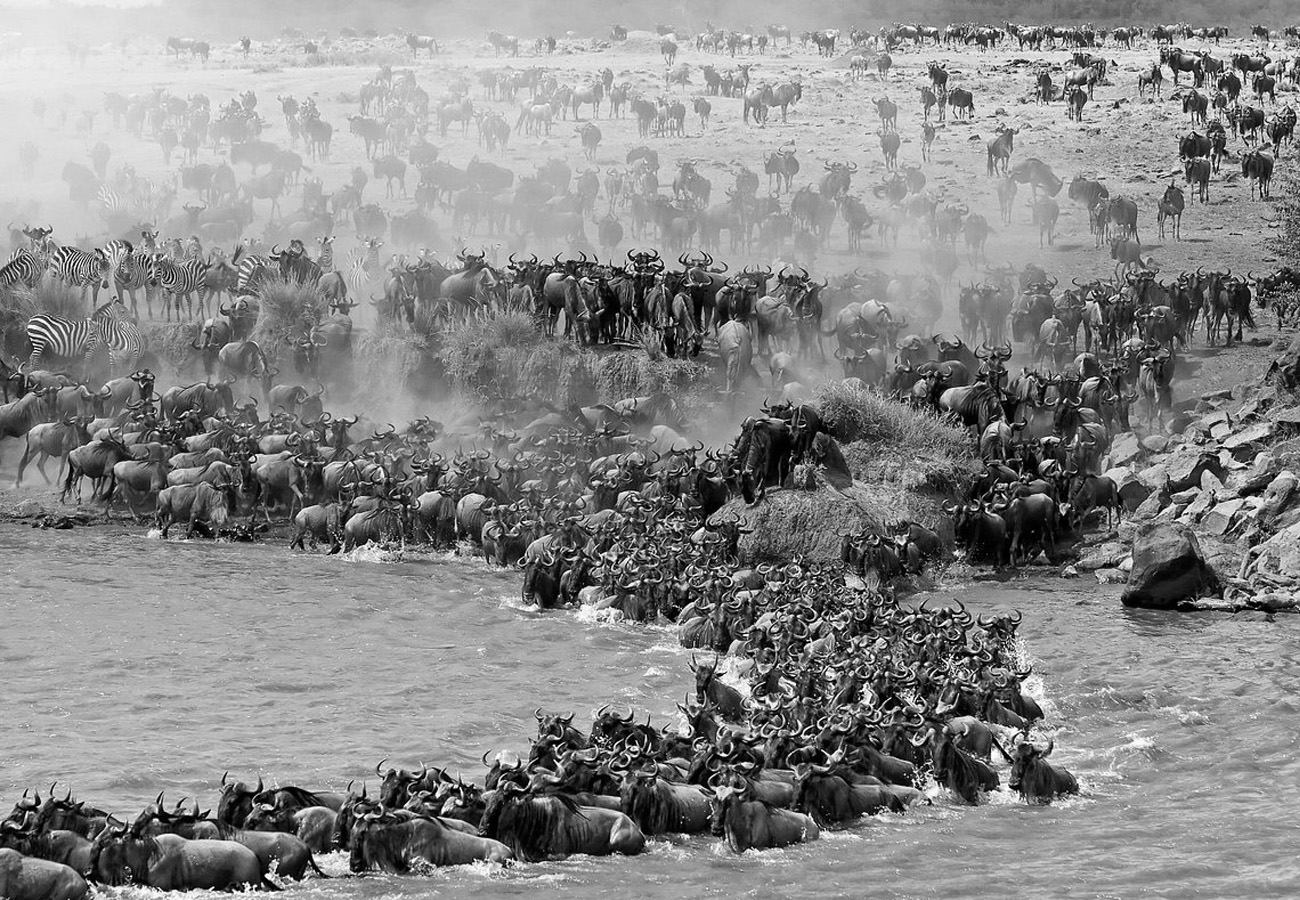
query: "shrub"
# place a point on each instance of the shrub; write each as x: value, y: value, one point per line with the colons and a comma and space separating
x: 286, y: 308
x: 887, y: 441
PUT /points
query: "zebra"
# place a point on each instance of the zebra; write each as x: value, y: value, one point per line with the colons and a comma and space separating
x: 24, y: 267
x: 177, y: 280
x: 326, y: 258
x: 111, y: 202
x: 131, y: 275
x: 78, y: 268
x: 61, y: 338
x: 251, y: 270
x: 363, y: 262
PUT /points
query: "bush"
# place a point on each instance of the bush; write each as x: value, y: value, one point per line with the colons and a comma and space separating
x: 633, y: 374
x: 887, y: 441
x: 287, y: 308
x: 498, y: 352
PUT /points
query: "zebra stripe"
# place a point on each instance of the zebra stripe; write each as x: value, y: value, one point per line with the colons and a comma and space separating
x: 362, y: 262
x: 61, y: 338
x: 177, y: 279
x: 252, y: 271
x: 24, y: 267
x: 78, y: 268
x: 326, y: 258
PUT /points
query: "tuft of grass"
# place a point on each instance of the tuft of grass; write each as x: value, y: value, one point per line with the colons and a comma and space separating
x: 389, y: 360
x: 632, y: 374
x: 886, y: 441
x: 50, y: 297
x: 286, y: 310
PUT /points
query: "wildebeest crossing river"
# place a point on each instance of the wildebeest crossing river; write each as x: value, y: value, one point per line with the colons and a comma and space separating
x: 130, y: 665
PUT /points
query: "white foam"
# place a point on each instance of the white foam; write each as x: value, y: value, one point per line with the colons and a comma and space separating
x: 372, y: 553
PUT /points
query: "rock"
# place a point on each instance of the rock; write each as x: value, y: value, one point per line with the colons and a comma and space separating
x: 1184, y: 498
x: 1125, y: 450
x: 1204, y: 501
x: 1252, y: 480
x: 1184, y: 468
x: 1285, y: 370
x: 1220, y: 520
x: 1169, y: 513
x: 1211, y: 482
x: 1109, y: 576
x: 1217, y: 396
x: 1131, y: 489
x: 1289, y: 416
x: 1275, y: 560
x: 1156, y: 477
x: 1179, y: 423
x: 1277, y: 496
x: 1211, y: 419
x: 1220, y: 431
x: 1246, y: 443
x: 1155, y: 443
x: 1168, y: 569
x: 1107, y: 556
x: 1150, y: 507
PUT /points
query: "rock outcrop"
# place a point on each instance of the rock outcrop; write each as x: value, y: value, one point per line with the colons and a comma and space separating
x: 1168, y: 569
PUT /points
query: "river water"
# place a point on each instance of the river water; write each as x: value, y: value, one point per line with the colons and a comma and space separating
x: 129, y: 665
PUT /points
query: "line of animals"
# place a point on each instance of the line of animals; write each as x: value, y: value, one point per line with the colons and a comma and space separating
x: 920, y: 696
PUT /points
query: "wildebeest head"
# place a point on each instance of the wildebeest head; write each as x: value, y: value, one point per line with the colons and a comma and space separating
x: 236, y: 800
x: 1023, y: 764
x: 397, y: 784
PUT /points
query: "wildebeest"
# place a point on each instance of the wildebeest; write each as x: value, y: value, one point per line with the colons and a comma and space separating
x: 748, y: 823
x: 398, y: 841
x: 26, y: 878
x: 172, y: 863
x: 1036, y: 780
x: 539, y: 827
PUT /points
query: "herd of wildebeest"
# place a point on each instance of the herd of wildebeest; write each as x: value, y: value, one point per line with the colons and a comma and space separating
x: 852, y: 703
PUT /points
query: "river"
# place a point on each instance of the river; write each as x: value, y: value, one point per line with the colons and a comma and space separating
x: 130, y: 665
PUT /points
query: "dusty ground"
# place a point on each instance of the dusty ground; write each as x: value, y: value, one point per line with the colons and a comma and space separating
x: 1129, y: 144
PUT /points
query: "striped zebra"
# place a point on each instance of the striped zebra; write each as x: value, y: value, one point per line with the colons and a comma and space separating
x: 177, y: 280
x: 81, y: 269
x: 111, y: 202
x: 363, y: 263
x: 131, y: 275
x: 251, y: 268
x: 67, y: 339
x: 24, y: 267
x: 326, y: 258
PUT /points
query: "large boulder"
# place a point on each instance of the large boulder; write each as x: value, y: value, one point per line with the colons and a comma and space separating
x: 1168, y: 569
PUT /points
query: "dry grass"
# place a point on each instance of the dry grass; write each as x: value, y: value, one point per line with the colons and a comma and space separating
x: 498, y: 352
x: 886, y: 442
x: 50, y: 297
x: 389, y: 360
x: 633, y: 374
x: 286, y: 308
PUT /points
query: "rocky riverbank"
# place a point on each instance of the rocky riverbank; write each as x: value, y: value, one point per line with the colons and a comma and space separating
x: 1227, y: 473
